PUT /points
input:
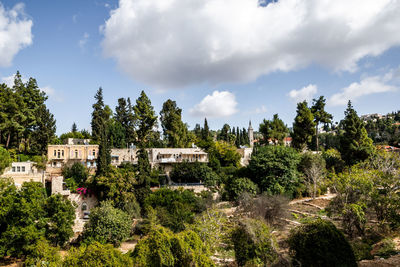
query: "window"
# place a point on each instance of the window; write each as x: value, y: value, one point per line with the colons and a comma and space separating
x: 94, y: 153
x: 58, y: 154
x: 13, y: 169
x: 62, y: 153
x: 54, y: 164
x: 76, y: 153
x: 84, y: 206
x: 18, y: 169
x: 55, y: 153
x: 91, y: 163
x: 23, y: 168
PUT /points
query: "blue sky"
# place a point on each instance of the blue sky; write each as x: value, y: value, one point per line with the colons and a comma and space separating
x: 227, y: 63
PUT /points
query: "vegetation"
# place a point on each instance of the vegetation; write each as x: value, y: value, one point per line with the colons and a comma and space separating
x: 274, y: 130
x: 320, y: 243
x: 303, y: 126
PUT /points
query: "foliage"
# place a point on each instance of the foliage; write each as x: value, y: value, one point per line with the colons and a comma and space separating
x: 303, y: 126
x: 387, y: 248
x: 103, y: 160
x: 34, y: 216
x: 99, y: 116
x: 75, y: 175
x: 43, y: 254
x: 96, y: 255
x: 320, y: 115
x: 274, y: 169
x: 355, y: 146
x: 333, y: 160
x: 164, y: 248
x: 125, y: 122
x: 175, y: 131
x: 174, y: 208
x: 226, y: 154
x: 239, y: 186
x: 145, y: 119
x: 313, y: 167
x: 194, y: 172
x: 253, y: 243
x: 320, y: 243
x: 107, y: 225
x: 5, y: 159
x: 275, y: 130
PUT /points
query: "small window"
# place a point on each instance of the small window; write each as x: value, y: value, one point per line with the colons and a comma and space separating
x: 58, y: 154
x: 18, y: 169
x: 54, y: 164
x: 55, y: 153
x: 13, y: 169
x: 84, y: 206
x: 76, y: 153
x: 23, y: 168
x: 62, y: 153
x: 91, y: 163
x: 94, y: 153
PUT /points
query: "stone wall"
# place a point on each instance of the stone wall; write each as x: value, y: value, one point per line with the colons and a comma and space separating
x: 79, y: 201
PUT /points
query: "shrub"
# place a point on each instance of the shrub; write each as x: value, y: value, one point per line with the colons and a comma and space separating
x: 239, y: 186
x: 164, y: 248
x: 96, y: 255
x: 253, y: 243
x: 107, y: 225
x: 43, y: 254
x: 320, y: 243
x: 386, y: 248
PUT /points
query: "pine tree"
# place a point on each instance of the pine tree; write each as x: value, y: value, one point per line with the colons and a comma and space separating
x: 355, y: 144
x: 74, y: 128
x: 145, y: 119
x: 44, y: 131
x: 303, y: 126
x: 98, y: 116
x: 275, y: 130
x: 175, y: 131
x: 320, y: 115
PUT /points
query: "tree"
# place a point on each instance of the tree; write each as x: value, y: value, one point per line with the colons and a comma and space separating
x: 205, y: 132
x: 355, y: 144
x: 226, y: 154
x: 194, y: 172
x: 98, y: 116
x: 42, y: 252
x: 145, y: 118
x: 164, y: 248
x: 103, y: 160
x: 74, y: 128
x: 44, y: 131
x: 5, y: 159
x: 320, y: 115
x: 107, y: 225
x: 175, y: 131
x: 313, y: 166
x: 303, y: 126
x: 117, y: 134
x: 274, y: 169
x: 320, y: 243
x: 253, y: 243
x: 239, y: 186
x: 275, y: 130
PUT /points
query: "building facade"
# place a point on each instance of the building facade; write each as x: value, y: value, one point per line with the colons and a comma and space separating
x: 22, y: 172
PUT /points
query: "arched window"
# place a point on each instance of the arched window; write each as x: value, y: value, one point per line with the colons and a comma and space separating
x: 76, y: 153
x: 84, y: 206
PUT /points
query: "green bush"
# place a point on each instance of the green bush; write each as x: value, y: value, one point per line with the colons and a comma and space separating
x: 5, y: 159
x: 362, y: 250
x: 387, y: 248
x: 194, y: 172
x: 320, y: 243
x: 107, y: 225
x: 43, y: 254
x: 174, y: 208
x: 164, y: 248
x: 253, y: 243
x: 96, y: 255
x: 239, y: 186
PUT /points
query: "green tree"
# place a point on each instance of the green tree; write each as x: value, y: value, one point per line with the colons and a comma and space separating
x: 355, y: 146
x: 254, y: 244
x: 107, y: 225
x: 274, y: 169
x: 44, y: 131
x: 117, y: 134
x: 175, y: 131
x: 275, y: 130
x: 238, y: 186
x: 194, y: 172
x: 164, y: 248
x: 104, y: 157
x: 43, y: 254
x: 145, y: 118
x: 74, y: 128
x: 98, y: 116
x: 205, y: 132
x: 96, y: 255
x: 303, y: 126
x: 320, y: 243
x: 226, y: 154
x: 320, y: 115
x: 5, y: 159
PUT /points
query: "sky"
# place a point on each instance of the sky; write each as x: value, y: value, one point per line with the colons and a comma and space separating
x: 230, y: 61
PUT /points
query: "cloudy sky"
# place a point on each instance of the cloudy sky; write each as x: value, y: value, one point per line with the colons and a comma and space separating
x: 229, y: 61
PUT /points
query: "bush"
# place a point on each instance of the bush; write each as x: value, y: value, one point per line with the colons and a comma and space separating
x: 386, y: 248
x: 174, y: 208
x: 253, y: 243
x: 333, y: 160
x: 96, y: 255
x: 239, y: 186
x: 362, y: 250
x: 188, y: 172
x: 164, y: 248
x: 320, y: 243
x: 107, y: 225
x: 43, y: 254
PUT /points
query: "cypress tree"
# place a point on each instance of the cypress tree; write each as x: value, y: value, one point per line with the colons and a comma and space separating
x: 320, y: 115
x: 175, y: 131
x: 74, y: 128
x: 205, y: 133
x: 104, y: 157
x: 303, y: 126
x: 145, y: 119
x: 98, y: 116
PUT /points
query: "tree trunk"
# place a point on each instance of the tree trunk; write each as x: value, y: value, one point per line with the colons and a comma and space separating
x: 316, y: 136
x: 8, y: 140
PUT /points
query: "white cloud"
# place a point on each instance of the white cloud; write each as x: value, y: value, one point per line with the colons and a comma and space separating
x: 15, y: 32
x: 306, y: 93
x: 217, y: 105
x: 174, y: 43
x: 367, y: 86
x: 260, y: 110
x: 84, y: 40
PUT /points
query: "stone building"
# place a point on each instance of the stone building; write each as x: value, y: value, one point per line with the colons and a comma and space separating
x: 22, y: 172
x: 65, y: 155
